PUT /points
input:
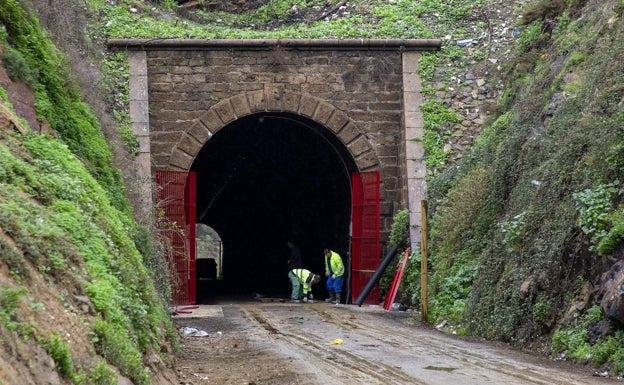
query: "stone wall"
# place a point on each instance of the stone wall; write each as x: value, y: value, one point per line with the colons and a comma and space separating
x: 365, y: 86
x: 364, y: 91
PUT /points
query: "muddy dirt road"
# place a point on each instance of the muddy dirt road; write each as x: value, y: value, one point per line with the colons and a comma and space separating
x: 255, y: 343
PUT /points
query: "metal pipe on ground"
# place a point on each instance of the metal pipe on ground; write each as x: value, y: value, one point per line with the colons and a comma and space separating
x: 382, y: 267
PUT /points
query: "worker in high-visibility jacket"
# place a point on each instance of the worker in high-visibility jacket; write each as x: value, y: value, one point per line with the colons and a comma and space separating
x: 301, y: 281
x: 334, y: 270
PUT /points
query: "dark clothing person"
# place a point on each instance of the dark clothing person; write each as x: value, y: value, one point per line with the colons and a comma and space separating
x: 295, y: 256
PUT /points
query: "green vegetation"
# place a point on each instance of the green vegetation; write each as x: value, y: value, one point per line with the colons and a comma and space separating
x: 111, y: 340
x: 510, y: 219
x: 594, y: 206
x: 63, y: 210
x: 17, y: 67
x: 61, y: 354
x: 58, y: 99
x: 102, y: 375
x: 79, y: 222
x: 573, y: 341
x: 116, y: 76
x: 439, y: 122
x: 275, y: 19
x: 513, y: 224
x: 9, y: 300
x: 531, y: 36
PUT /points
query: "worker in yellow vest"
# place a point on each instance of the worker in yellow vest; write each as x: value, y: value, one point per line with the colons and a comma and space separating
x: 301, y: 281
x: 334, y: 270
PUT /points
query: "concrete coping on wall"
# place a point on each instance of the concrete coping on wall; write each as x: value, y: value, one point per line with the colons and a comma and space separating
x: 267, y: 44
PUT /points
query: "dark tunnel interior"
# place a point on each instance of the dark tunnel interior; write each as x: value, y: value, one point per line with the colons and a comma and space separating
x: 262, y: 180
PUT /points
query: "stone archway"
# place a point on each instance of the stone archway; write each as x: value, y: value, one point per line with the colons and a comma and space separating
x: 273, y: 99
x: 266, y: 177
x: 365, y: 91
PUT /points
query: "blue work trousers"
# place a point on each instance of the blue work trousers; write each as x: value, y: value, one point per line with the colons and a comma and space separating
x: 334, y: 284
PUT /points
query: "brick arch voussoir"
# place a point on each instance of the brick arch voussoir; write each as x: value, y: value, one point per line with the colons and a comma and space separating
x: 273, y: 99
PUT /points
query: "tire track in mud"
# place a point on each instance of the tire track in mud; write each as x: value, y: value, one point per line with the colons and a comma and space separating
x: 479, y: 357
x: 350, y: 366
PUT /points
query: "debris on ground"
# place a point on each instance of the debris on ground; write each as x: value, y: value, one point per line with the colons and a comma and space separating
x: 192, y: 332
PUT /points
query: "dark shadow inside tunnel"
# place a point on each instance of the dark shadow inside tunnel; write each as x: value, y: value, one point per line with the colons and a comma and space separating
x: 262, y: 180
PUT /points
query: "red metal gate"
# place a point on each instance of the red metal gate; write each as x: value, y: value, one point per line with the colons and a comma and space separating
x: 176, y: 197
x: 365, y: 233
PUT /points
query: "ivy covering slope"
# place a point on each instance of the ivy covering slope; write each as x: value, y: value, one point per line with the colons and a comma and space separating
x: 525, y: 224
x: 34, y: 58
x: 65, y: 218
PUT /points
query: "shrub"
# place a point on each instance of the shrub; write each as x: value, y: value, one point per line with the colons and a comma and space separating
x: 573, y: 340
x: 607, y: 348
x: 114, y: 343
x: 61, y: 354
x: 594, y: 206
x: 398, y: 239
x: 101, y: 374
x: 9, y: 301
x: 17, y: 67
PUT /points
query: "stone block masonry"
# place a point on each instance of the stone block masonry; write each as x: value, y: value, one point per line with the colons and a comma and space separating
x: 364, y: 91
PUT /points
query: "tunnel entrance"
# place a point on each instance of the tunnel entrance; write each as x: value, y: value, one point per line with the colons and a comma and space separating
x: 262, y: 180
x: 208, y: 252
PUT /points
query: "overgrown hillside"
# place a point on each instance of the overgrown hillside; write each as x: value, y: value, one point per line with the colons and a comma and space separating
x: 527, y: 229
x: 78, y: 304
x: 524, y: 133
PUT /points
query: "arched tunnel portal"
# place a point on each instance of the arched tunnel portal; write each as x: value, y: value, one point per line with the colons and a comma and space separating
x: 264, y: 179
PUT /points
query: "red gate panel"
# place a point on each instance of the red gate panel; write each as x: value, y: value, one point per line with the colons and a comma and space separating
x: 365, y: 233
x: 176, y: 197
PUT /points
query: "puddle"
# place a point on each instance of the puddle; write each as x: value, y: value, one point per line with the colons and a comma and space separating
x: 440, y: 368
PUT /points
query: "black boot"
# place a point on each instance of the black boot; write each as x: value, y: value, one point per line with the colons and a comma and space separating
x: 331, y: 298
x: 337, y: 302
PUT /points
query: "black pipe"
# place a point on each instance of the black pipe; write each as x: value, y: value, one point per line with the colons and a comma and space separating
x: 382, y: 267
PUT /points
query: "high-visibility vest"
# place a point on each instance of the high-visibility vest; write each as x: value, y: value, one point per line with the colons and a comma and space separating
x: 335, y: 263
x: 305, y: 277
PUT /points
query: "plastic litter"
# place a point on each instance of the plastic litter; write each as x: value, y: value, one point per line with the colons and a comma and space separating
x: 192, y: 332
x: 337, y: 341
x: 466, y: 42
